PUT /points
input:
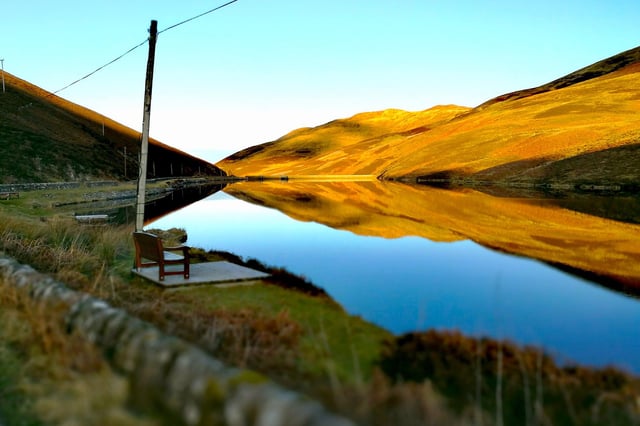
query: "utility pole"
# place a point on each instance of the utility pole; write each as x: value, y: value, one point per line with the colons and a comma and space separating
x: 2, y: 62
x: 144, y: 149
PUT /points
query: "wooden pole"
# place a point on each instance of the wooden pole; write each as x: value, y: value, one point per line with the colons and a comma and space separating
x: 144, y: 148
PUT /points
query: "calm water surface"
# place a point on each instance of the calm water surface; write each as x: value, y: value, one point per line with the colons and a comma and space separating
x: 411, y: 283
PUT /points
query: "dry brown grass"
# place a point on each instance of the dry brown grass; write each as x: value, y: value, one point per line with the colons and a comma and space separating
x: 58, y: 373
x: 514, y: 385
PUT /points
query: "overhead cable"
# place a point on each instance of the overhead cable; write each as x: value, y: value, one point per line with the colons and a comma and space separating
x: 141, y: 44
x: 100, y: 68
x: 197, y: 16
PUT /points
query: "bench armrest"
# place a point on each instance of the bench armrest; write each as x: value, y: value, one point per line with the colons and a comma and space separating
x: 183, y: 249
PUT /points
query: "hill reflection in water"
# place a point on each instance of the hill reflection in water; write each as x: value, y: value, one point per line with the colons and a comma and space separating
x: 605, y: 250
x: 406, y: 279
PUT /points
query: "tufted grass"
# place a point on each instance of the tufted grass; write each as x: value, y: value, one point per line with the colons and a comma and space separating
x: 49, y: 377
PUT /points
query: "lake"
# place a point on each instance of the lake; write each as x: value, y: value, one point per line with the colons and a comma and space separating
x: 411, y: 258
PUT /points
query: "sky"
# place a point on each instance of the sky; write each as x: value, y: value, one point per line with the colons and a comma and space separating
x: 255, y: 70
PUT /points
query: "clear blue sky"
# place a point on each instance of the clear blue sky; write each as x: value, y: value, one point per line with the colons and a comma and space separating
x: 257, y: 69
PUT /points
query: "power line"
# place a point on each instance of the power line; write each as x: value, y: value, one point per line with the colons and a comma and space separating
x: 101, y: 67
x: 141, y: 44
x: 197, y: 16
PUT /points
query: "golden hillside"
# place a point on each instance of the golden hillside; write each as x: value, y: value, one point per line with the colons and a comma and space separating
x: 580, y: 128
x: 361, y: 145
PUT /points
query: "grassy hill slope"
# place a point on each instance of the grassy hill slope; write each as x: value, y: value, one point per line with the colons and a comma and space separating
x: 600, y: 68
x: 579, y: 128
x: 46, y: 138
x: 361, y: 145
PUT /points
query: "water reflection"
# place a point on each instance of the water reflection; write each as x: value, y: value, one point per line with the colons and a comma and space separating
x: 155, y: 209
x: 404, y: 278
x: 123, y: 211
x: 620, y: 205
x: 604, y: 250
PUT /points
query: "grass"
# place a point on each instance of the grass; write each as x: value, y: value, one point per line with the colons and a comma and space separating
x: 331, y: 339
x: 15, y: 405
x: 285, y: 328
x: 50, y: 377
x: 519, y: 385
x: 43, y: 202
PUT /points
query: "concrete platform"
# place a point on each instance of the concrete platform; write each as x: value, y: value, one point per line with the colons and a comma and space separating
x: 204, y: 273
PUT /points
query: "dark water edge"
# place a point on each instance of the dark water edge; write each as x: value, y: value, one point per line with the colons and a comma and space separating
x: 622, y: 285
x: 615, y: 202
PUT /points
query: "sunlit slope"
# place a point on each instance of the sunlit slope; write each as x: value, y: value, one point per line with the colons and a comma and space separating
x: 510, y: 140
x: 600, y: 68
x: 590, y: 115
x: 361, y: 145
x: 45, y: 137
x: 587, y: 243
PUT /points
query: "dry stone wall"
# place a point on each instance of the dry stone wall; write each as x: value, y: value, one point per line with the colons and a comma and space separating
x: 38, y: 186
x: 167, y: 373
x: 13, y: 187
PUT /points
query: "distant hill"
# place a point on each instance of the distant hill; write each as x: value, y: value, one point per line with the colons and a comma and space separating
x: 46, y: 138
x: 581, y: 128
x: 364, y: 144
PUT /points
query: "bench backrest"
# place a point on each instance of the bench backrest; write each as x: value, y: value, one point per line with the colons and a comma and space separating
x: 149, y: 246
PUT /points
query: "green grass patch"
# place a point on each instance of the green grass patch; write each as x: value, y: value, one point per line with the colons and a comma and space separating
x: 57, y: 202
x: 333, y: 344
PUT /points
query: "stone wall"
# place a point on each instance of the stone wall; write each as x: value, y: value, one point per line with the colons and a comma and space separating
x: 167, y: 373
x: 16, y: 187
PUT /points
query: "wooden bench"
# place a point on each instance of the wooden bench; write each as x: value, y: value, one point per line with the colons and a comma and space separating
x: 151, y: 252
x: 9, y: 195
